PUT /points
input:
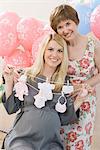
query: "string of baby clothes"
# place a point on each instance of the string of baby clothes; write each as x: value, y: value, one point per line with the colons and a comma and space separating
x: 44, y: 93
x: 67, y: 84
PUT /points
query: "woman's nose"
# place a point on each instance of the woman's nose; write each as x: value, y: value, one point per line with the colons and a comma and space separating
x: 55, y: 53
x: 65, y: 30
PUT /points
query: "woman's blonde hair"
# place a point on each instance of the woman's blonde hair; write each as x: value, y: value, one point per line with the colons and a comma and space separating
x: 59, y: 76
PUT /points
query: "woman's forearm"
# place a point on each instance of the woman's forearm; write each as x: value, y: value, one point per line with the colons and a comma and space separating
x: 94, y: 80
x: 77, y: 103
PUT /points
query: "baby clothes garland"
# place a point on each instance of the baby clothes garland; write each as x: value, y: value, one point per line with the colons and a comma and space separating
x: 45, y: 93
x: 61, y: 107
x: 66, y: 89
x: 21, y: 88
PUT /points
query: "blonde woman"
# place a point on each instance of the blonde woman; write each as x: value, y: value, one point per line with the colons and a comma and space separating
x: 46, y: 105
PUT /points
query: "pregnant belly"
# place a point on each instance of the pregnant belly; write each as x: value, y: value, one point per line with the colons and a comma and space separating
x: 38, y: 121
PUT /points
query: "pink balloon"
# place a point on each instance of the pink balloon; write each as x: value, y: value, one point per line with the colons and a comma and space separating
x: 8, y: 34
x: 95, y: 21
x: 19, y: 59
x: 47, y: 29
x: 29, y: 30
x: 36, y: 44
x: 10, y: 18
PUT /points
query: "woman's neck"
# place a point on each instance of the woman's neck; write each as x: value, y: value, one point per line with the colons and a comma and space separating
x: 48, y: 72
x: 75, y: 41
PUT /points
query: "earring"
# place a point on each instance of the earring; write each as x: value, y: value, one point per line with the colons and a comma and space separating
x: 59, y: 107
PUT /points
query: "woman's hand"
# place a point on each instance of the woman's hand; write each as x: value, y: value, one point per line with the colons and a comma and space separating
x: 78, y: 102
x: 82, y: 90
x: 80, y: 94
x: 77, y: 89
x: 10, y: 74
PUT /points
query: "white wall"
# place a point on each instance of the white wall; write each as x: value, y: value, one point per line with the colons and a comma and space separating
x: 31, y: 8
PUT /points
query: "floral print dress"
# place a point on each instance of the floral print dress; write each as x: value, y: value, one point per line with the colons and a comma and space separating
x: 78, y: 136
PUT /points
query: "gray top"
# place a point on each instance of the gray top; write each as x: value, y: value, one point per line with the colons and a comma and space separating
x: 34, y: 128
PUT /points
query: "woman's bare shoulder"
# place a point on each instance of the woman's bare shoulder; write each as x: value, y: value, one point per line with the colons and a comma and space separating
x: 96, y: 40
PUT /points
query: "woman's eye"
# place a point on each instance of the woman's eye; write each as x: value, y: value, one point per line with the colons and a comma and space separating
x: 59, y: 27
x: 50, y: 49
x: 67, y: 24
x: 60, y: 50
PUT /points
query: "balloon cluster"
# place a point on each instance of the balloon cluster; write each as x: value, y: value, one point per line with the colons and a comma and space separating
x: 95, y: 21
x: 8, y: 36
x: 20, y: 38
x: 89, y: 15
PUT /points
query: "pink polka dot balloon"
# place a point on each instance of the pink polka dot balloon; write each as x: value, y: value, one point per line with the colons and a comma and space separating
x: 29, y: 30
x: 36, y: 44
x: 19, y: 59
x: 95, y: 21
x: 8, y: 34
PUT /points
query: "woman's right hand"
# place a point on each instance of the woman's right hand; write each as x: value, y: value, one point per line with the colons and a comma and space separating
x: 10, y: 74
